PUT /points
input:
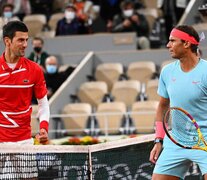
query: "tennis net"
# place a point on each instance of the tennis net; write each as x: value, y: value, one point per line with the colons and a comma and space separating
x: 125, y: 159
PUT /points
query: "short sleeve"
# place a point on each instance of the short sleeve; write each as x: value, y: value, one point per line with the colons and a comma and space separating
x: 162, y: 90
x: 40, y: 89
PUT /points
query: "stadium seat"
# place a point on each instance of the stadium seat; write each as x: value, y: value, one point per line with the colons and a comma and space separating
x: 126, y: 91
x: 143, y: 114
x: 35, y: 23
x: 141, y: 71
x: 92, y: 92
x: 34, y: 120
x: 151, y: 15
x: 151, y: 90
x: 109, y: 116
x: 63, y: 67
x: 54, y: 18
x: 202, y: 26
x: 46, y: 34
x: 109, y: 73
x: 77, y: 117
x: 150, y: 4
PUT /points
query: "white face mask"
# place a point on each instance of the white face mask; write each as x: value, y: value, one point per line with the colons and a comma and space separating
x: 128, y: 13
x: 96, y: 8
x: 69, y: 15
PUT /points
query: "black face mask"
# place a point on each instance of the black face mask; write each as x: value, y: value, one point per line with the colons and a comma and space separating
x: 37, y: 49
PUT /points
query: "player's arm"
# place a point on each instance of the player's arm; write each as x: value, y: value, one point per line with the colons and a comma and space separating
x: 159, y: 130
x: 43, y: 114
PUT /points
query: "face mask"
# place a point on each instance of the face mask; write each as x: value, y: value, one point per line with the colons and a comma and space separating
x: 96, y: 8
x: 51, y: 69
x: 37, y: 49
x: 69, y: 15
x: 128, y: 13
x: 8, y: 14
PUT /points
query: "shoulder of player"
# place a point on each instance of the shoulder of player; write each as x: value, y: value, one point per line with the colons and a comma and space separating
x: 170, y: 66
x: 31, y: 63
x: 204, y: 61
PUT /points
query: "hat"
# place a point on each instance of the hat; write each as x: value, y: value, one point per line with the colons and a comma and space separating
x: 126, y: 3
x: 71, y: 5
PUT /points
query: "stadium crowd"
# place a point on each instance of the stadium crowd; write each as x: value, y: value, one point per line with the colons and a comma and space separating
x: 94, y: 16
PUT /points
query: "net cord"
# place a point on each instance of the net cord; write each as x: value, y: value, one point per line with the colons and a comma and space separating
x: 75, y: 148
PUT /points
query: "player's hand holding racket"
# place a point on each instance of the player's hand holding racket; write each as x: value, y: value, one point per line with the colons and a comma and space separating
x: 183, y: 130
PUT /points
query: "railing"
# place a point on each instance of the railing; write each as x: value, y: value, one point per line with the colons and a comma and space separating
x: 106, y: 124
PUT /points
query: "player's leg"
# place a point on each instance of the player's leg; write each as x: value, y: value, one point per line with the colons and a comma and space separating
x: 200, y: 158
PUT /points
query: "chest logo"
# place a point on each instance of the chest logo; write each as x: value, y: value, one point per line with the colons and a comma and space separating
x: 25, y: 80
x: 173, y: 79
x: 195, y: 82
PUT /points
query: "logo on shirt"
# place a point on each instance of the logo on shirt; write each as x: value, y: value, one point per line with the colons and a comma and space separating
x: 195, y: 82
x: 25, y: 80
x: 173, y: 79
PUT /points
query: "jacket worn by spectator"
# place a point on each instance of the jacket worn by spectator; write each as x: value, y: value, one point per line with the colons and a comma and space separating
x: 70, y: 24
x: 53, y: 77
x: 76, y: 26
x: 141, y: 28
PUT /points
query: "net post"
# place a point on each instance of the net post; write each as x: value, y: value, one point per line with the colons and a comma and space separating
x: 90, y: 174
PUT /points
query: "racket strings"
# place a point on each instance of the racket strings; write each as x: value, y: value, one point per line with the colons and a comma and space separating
x: 182, y: 128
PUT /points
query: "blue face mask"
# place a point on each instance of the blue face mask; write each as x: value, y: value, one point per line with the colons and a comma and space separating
x: 51, y: 69
x: 8, y: 14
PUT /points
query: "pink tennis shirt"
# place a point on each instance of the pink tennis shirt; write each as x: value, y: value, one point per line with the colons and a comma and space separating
x: 16, y: 90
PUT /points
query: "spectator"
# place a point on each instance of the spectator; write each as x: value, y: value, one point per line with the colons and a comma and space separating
x: 138, y: 4
x: 21, y: 8
x: 2, y: 3
x: 70, y: 24
x: 43, y: 7
x: 172, y: 11
x: 84, y: 11
x: 53, y: 77
x: 81, y: 8
x: 108, y: 9
x: 96, y: 22
x: 38, y: 55
x: 6, y: 16
x: 131, y: 21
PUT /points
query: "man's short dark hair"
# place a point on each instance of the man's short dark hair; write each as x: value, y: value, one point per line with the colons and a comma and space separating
x: 39, y: 39
x: 12, y: 27
x: 126, y: 3
x: 8, y: 5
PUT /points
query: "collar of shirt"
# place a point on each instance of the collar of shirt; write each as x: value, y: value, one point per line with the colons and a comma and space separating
x: 5, y: 66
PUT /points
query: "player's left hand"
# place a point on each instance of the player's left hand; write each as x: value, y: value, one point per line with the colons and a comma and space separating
x: 42, y: 137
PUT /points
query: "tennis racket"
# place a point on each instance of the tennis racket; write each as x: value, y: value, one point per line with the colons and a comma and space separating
x: 183, y: 130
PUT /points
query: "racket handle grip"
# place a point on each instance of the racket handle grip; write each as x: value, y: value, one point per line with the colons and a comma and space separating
x: 159, y: 130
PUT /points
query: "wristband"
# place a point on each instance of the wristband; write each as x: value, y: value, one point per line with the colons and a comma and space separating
x: 44, y: 124
x: 159, y: 130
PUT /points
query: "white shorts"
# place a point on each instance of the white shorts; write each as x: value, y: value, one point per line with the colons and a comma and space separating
x: 27, y: 141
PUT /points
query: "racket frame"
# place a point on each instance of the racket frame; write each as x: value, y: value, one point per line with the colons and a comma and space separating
x: 200, y: 136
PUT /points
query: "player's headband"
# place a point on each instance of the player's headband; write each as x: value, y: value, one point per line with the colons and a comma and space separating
x: 184, y: 36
